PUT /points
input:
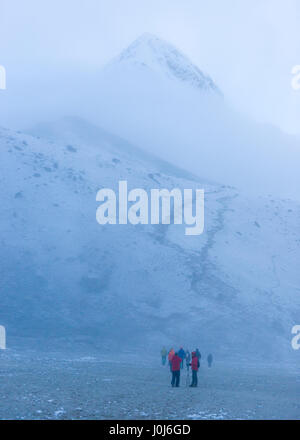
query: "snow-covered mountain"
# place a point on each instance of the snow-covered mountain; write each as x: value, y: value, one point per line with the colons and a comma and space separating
x: 234, y: 289
x: 155, y: 97
x: 150, y: 52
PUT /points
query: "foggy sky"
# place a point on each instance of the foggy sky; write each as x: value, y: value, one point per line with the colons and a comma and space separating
x: 248, y: 47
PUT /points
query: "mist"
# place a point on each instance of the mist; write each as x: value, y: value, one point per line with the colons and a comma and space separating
x: 50, y: 51
x: 197, y: 96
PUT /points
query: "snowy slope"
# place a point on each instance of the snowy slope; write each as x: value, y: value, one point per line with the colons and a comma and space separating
x: 236, y: 287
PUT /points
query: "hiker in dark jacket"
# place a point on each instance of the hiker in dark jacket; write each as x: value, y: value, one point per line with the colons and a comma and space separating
x: 209, y: 360
x: 176, y: 361
x: 195, y: 366
x: 181, y: 354
x: 188, y: 359
x: 198, y: 354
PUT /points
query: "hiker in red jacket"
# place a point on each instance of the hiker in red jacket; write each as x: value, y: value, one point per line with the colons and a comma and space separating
x: 175, y: 365
x: 195, y: 366
x: 170, y: 357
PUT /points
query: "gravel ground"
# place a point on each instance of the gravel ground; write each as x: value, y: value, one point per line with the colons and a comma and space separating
x: 34, y: 386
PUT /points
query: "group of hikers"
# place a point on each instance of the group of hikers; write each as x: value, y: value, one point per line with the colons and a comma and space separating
x: 176, y: 362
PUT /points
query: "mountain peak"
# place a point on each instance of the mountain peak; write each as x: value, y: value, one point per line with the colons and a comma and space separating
x: 147, y: 37
x: 150, y: 51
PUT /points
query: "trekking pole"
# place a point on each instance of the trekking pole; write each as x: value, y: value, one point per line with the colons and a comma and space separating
x: 187, y: 382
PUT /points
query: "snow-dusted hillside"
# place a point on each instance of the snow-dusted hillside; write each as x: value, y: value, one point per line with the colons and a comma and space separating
x: 234, y: 289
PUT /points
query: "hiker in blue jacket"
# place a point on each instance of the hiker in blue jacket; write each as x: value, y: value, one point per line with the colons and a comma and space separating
x: 181, y: 354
